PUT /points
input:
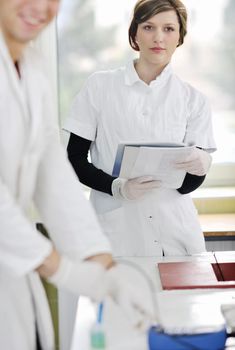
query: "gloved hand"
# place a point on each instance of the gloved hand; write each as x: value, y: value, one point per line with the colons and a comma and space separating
x: 93, y: 280
x: 133, y: 188
x: 81, y: 278
x: 135, y: 305
x: 197, y: 163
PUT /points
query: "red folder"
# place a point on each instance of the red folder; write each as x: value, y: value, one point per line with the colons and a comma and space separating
x: 199, y: 274
x: 226, y: 263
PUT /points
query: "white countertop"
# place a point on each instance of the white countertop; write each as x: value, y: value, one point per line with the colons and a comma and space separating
x: 179, y: 310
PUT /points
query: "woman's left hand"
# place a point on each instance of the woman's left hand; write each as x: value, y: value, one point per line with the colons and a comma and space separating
x: 197, y: 163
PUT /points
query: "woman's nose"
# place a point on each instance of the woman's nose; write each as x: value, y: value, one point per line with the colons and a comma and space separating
x: 158, y: 36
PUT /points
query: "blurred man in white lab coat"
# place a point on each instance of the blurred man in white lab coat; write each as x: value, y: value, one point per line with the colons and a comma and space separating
x: 33, y: 167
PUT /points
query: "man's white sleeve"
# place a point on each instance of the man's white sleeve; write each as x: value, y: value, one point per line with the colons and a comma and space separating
x: 64, y: 210
x: 22, y: 248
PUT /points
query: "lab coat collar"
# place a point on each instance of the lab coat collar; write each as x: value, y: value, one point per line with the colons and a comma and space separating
x: 7, y: 60
x: 12, y: 74
x: 131, y: 76
x: 24, y: 88
x: 4, y: 50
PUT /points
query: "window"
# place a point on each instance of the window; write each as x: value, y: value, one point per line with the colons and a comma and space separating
x: 46, y: 44
x: 93, y: 35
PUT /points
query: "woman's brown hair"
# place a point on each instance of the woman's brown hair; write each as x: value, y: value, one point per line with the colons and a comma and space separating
x: 145, y: 9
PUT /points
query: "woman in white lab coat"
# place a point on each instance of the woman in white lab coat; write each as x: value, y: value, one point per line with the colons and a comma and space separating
x: 143, y: 101
x: 34, y: 167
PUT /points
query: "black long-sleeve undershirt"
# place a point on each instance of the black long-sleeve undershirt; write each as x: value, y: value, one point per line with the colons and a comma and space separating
x: 89, y: 175
x: 191, y: 183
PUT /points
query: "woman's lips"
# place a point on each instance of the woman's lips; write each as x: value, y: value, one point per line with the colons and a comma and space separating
x: 157, y: 49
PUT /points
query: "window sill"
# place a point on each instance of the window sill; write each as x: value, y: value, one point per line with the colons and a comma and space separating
x: 215, y: 200
x: 214, y: 192
x: 218, y: 225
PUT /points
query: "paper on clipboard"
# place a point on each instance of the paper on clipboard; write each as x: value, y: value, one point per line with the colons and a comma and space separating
x: 157, y: 161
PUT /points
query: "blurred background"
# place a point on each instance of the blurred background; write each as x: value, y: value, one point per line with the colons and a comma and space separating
x: 92, y: 35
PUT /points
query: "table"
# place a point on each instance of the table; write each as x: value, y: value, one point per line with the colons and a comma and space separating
x: 179, y: 309
x: 219, y: 231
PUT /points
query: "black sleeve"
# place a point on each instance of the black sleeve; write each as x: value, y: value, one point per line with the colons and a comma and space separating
x: 191, y: 183
x: 88, y: 174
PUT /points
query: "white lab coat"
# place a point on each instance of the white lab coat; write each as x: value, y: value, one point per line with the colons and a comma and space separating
x: 117, y: 106
x: 34, y: 167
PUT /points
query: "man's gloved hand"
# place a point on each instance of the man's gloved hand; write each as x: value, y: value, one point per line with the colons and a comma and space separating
x: 81, y: 278
x: 93, y: 280
x: 138, y: 309
x: 197, y: 163
x: 133, y: 188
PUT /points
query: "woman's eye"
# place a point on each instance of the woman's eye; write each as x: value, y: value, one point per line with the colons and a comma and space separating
x: 169, y: 29
x: 148, y: 27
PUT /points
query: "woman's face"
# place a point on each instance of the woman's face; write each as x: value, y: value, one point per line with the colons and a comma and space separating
x: 22, y: 20
x: 158, y: 38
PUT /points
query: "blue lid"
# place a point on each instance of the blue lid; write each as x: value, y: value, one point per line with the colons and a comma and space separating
x: 158, y: 340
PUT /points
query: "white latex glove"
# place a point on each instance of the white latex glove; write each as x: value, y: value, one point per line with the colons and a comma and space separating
x: 80, y: 278
x: 228, y: 311
x: 133, y: 188
x: 138, y: 310
x: 197, y: 163
x: 92, y: 280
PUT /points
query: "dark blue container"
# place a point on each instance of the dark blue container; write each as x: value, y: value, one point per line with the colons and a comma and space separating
x: 159, y: 340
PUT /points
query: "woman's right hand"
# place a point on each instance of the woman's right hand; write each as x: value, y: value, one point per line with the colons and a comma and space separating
x: 133, y: 188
